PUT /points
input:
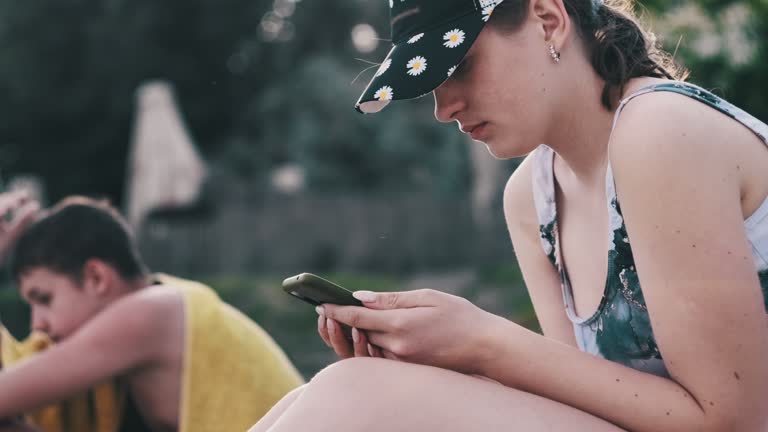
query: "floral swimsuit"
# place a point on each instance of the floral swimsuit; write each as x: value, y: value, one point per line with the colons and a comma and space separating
x: 620, y: 329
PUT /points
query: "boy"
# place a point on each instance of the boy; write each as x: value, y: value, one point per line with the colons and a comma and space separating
x: 183, y: 359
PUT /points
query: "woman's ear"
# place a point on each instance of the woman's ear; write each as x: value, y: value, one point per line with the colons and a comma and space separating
x: 553, y: 21
x: 98, y: 277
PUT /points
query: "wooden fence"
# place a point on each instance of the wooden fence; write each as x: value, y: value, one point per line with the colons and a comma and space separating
x: 291, y: 234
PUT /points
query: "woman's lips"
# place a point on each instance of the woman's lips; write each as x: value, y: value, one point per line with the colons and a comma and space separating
x: 477, y: 131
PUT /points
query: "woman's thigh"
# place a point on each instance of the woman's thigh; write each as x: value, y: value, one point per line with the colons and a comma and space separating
x: 383, y: 395
x: 276, y: 411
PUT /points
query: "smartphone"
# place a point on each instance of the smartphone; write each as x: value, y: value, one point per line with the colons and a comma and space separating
x: 316, y: 290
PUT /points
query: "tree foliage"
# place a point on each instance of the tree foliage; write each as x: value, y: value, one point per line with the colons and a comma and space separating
x: 69, y: 71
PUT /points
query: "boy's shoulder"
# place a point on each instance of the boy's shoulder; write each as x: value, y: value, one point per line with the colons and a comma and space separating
x: 153, y: 301
x: 149, y: 314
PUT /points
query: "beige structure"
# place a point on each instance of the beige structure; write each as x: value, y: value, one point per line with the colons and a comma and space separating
x: 165, y: 169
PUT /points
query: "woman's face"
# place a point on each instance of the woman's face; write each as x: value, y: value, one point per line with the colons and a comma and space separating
x: 499, y: 93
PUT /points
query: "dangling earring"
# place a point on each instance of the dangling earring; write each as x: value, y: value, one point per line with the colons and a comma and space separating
x: 554, y: 53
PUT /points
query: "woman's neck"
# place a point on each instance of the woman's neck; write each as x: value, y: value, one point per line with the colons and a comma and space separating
x: 583, y: 130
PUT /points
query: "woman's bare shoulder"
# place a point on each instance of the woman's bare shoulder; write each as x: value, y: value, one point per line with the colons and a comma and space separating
x: 677, y: 128
x: 519, y: 208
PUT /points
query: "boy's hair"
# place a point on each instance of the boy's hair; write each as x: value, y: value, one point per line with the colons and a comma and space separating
x: 72, y: 232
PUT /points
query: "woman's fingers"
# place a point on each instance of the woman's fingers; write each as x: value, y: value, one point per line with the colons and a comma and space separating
x: 374, y: 351
x: 322, y: 330
x: 339, y: 342
x: 360, y: 342
x: 397, y: 300
x: 383, y: 341
x: 347, y: 340
x: 388, y: 355
x: 360, y: 317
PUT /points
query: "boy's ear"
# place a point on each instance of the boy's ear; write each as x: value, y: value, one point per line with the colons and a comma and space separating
x: 98, y: 277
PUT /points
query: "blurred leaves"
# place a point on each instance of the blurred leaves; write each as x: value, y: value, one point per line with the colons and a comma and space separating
x: 724, y: 44
x: 68, y: 73
x: 312, y: 122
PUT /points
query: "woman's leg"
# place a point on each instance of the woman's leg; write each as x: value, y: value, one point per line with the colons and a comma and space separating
x: 368, y: 394
x: 271, y: 417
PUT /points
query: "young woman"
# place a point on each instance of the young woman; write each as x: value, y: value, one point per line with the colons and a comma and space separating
x: 641, y: 228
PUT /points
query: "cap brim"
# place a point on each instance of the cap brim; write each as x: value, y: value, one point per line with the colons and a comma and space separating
x: 417, y: 66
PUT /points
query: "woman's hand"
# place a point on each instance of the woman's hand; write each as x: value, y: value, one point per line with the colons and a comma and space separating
x: 344, y: 341
x: 424, y: 326
x: 22, y: 212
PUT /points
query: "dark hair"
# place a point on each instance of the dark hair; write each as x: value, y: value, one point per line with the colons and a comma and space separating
x: 619, y: 47
x: 72, y: 232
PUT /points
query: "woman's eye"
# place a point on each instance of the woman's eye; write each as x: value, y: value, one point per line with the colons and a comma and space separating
x: 44, y: 300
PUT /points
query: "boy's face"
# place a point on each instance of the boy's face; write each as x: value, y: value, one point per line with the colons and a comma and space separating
x: 59, y: 305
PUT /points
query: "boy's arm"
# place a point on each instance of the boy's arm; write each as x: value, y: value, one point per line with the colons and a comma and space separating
x: 127, y: 335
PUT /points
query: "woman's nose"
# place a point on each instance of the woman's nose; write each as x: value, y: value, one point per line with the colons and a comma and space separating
x: 448, y: 102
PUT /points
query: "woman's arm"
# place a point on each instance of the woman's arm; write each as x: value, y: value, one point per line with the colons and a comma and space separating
x: 680, y: 197
x: 541, y: 278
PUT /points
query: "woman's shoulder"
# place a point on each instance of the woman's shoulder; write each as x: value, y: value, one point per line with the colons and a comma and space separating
x: 682, y: 124
x: 519, y: 191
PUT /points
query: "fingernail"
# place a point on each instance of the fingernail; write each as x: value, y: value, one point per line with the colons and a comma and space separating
x: 355, y: 335
x: 365, y: 296
x: 320, y: 311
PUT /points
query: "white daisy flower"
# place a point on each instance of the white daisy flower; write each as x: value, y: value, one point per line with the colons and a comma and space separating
x: 383, y: 94
x: 384, y: 66
x: 415, y: 38
x: 451, y: 71
x: 487, y: 11
x: 453, y: 38
x: 416, y: 65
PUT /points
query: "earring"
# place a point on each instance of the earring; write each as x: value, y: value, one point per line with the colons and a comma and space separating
x: 554, y: 53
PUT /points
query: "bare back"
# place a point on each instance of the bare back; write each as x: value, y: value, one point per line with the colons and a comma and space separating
x: 155, y: 388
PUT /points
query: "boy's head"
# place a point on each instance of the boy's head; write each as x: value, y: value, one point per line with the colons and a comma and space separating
x: 72, y: 262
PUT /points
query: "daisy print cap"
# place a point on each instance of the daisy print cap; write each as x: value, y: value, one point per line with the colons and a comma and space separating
x: 430, y: 38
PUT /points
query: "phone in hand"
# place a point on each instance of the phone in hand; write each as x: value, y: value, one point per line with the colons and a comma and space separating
x: 317, y: 291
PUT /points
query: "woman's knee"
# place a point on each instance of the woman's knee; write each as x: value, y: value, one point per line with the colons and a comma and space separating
x: 350, y: 371
x: 362, y: 377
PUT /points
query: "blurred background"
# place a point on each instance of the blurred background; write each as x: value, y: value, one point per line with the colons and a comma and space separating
x: 225, y: 131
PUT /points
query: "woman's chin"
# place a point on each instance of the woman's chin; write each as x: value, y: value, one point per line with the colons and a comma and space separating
x: 502, y: 151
